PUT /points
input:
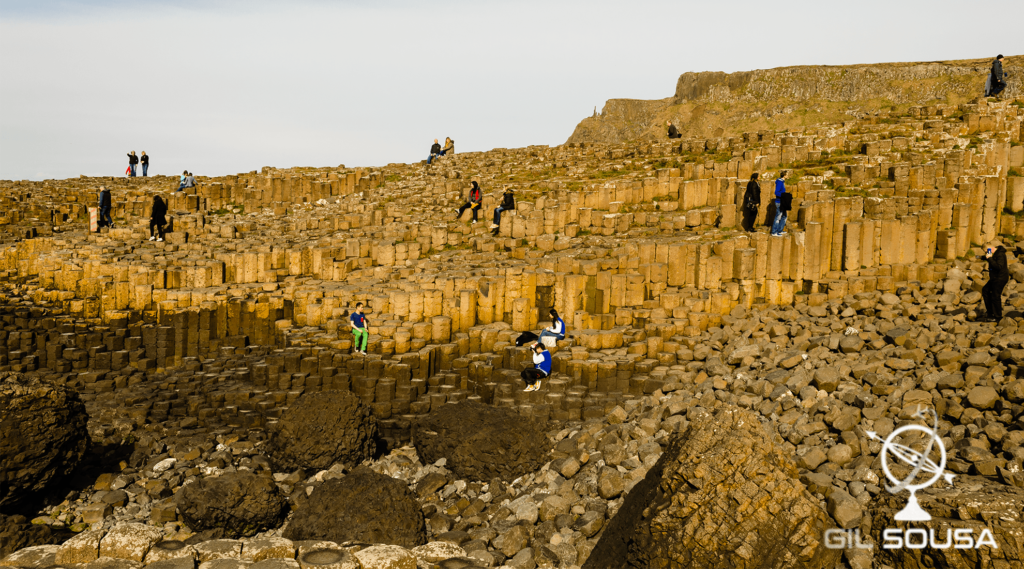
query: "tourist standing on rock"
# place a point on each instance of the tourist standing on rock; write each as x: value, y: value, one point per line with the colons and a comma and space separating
x: 673, y: 132
x: 359, y: 329
x: 508, y: 203
x: 541, y: 368
x: 998, y: 276
x: 435, y: 151
x: 449, y: 147
x: 132, y: 161
x: 157, y: 218
x: 751, y: 203
x: 105, y: 205
x: 475, y: 199
x: 557, y: 329
x: 145, y: 164
x: 997, y: 78
x: 780, y: 214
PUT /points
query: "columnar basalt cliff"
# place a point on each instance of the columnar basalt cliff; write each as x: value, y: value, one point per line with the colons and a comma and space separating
x: 713, y: 103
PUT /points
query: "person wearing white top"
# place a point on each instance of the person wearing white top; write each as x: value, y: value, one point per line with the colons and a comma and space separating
x: 557, y: 328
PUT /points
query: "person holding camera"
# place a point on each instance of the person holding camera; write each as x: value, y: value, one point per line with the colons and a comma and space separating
x: 998, y: 276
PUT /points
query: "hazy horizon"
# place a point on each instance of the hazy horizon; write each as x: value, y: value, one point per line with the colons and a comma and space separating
x: 224, y: 87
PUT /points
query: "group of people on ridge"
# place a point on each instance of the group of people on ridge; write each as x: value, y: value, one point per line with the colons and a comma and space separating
x: 134, y: 161
x: 436, y: 150
x: 752, y: 205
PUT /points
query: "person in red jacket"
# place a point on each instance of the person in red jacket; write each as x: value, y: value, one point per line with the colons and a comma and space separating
x: 475, y: 199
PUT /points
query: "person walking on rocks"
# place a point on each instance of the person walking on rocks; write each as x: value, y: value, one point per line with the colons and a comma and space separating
x: 998, y: 276
x: 996, y: 79
x: 751, y: 203
x: 157, y: 218
x: 435, y: 151
x: 508, y: 203
x: 449, y: 147
x: 475, y: 200
x: 673, y: 132
x: 144, y: 160
x: 133, y: 160
x: 105, y: 205
x: 780, y: 213
x: 557, y: 329
x: 541, y: 368
x: 359, y: 329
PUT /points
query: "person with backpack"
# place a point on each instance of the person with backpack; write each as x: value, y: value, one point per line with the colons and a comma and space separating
x: 144, y: 160
x: 508, y: 203
x: 751, y: 203
x: 359, y: 330
x: 132, y: 161
x: 157, y: 218
x: 783, y: 205
x: 105, y: 204
x: 541, y: 368
x: 557, y: 329
x: 435, y: 151
x: 474, y: 203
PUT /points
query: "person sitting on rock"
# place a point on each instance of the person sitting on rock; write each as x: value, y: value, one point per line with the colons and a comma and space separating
x: 541, y: 368
x: 359, y: 330
x: 673, y: 132
x: 508, y: 203
x: 998, y: 276
x: 435, y: 151
x: 449, y: 147
x: 557, y: 329
x: 157, y: 219
x: 475, y: 200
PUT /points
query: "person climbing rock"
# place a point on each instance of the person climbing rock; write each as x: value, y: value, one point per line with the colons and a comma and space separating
x: 751, y: 203
x: 157, y: 218
x: 541, y: 368
x: 475, y: 200
x: 673, y: 132
x: 998, y: 276
x: 359, y: 330
x: 105, y: 205
x: 781, y: 214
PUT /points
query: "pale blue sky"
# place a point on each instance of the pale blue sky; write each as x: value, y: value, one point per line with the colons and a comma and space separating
x: 226, y: 87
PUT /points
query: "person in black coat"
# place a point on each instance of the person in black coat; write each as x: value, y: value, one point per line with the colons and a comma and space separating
x: 144, y: 160
x: 133, y: 160
x: 673, y: 132
x: 435, y: 151
x: 105, y: 204
x: 998, y: 276
x: 998, y: 78
x: 751, y: 203
x: 157, y: 218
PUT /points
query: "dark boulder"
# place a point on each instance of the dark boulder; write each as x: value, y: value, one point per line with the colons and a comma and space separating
x: 321, y: 429
x: 239, y: 503
x: 481, y: 442
x: 362, y: 506
x: 17, y: 533
x: 43, y: 437
x: 724, y: 494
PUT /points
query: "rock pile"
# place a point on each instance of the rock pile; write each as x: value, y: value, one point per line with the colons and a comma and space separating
x: 322, y: 429
x: 240, y: 503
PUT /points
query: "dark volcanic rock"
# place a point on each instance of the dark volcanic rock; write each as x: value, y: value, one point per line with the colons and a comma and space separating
x: 363, y: 506
x: 321, y: 429
x: 481, y: 442
x: 727, y: 496
x: 17, y: 533
x: 241, y: 503
x: 42, y: 436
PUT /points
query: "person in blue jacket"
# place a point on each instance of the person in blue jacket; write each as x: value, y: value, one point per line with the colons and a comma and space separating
x: 541, y: 368
x: 780, y: 215
x: 557, y: 329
